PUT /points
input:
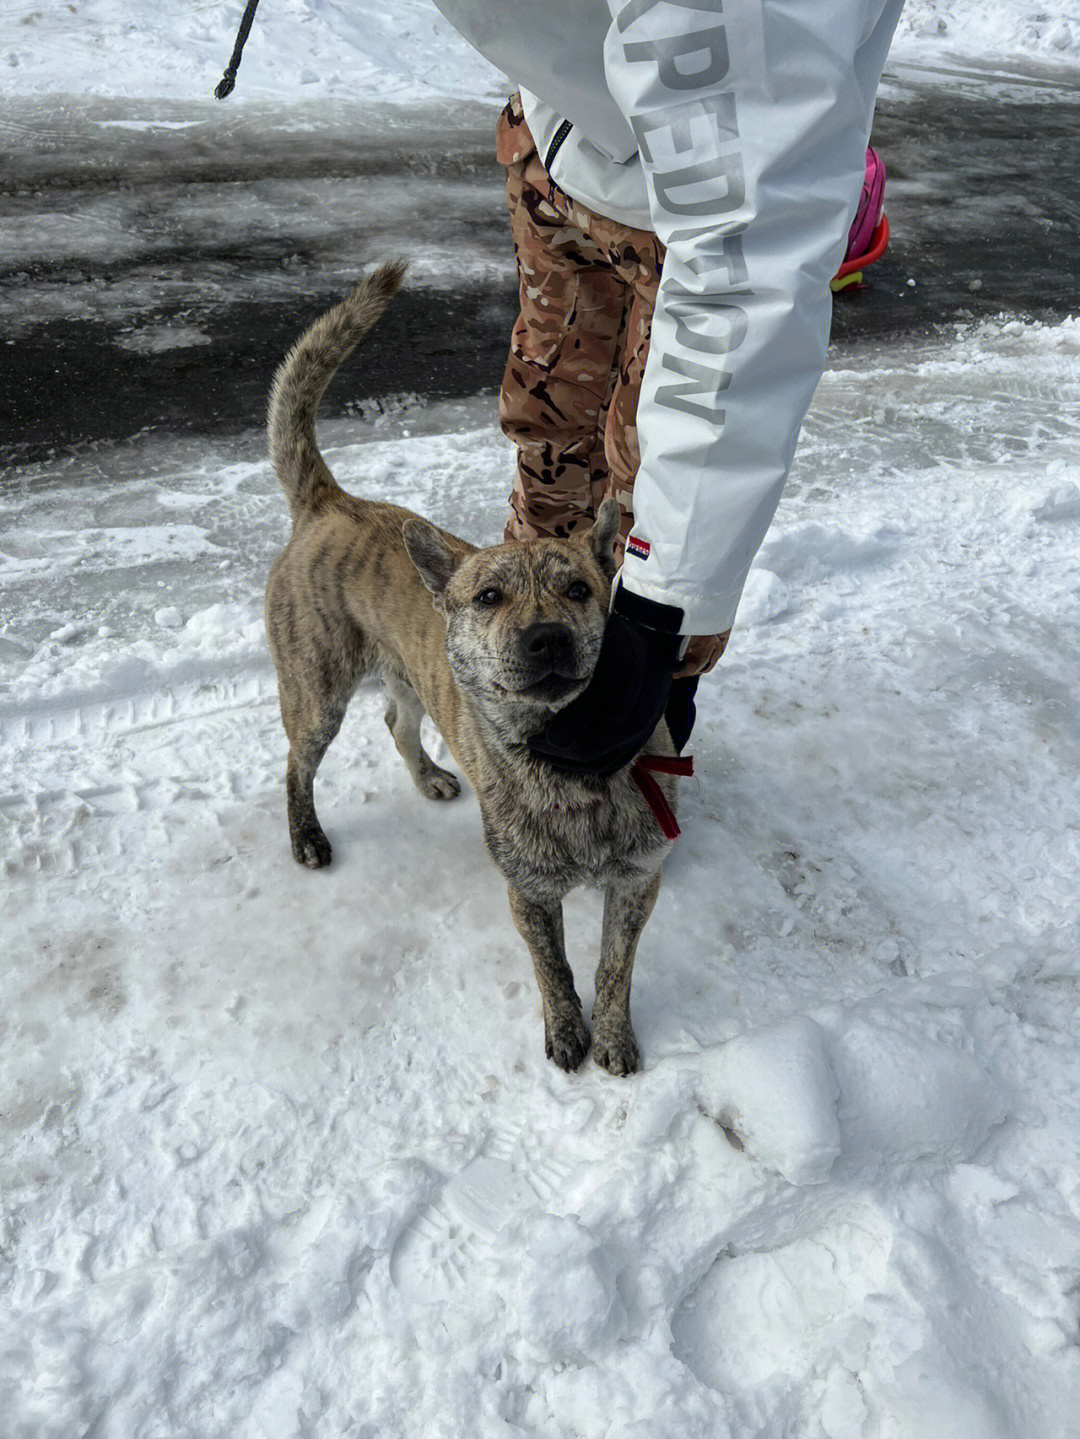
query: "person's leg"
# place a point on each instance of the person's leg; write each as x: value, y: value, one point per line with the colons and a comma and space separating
x: 561, y: 261
x: 638, y: 257
x: 559, y: 377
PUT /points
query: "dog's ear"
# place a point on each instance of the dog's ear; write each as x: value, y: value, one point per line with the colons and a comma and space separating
x: 430, y: 553
x: 601, y: 538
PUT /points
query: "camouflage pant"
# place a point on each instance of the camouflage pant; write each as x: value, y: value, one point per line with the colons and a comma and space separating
x: 577, y: 355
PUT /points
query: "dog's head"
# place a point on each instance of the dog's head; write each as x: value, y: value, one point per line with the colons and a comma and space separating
x: 523, y: 621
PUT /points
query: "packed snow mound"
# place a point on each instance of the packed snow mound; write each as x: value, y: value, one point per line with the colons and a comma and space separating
x: 360, y: 52
x: 905, y: 1097
x: 775, y: 1089
x: 765, y: 597
x: 995, y: 30
x: 561, y: 1279
x: 370, y: 51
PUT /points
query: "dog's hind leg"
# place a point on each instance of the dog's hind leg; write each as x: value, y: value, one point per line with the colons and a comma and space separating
x: 308, y: 744
x: 314, y: 698
x: 403, y: 715
x: 627, y: 905
x: 540, y: 924
x: 318, y: 665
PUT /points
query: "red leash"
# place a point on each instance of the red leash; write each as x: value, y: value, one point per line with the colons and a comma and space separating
x: 642, y: 771
x: 645, y: 766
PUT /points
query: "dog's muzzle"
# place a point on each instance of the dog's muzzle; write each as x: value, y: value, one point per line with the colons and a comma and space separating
x: 548, y: 658
x: 548, y: 646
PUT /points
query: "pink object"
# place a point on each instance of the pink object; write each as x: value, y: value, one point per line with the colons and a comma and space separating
x: 871, y: 203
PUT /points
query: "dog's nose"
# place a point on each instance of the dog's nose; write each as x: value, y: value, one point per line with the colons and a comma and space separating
x: 547, y: 641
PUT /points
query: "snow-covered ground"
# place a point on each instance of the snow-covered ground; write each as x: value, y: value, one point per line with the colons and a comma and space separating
x: 356, y: 50
x: 992, y: 31
x: 282, y: 1155
x: 405, y: 52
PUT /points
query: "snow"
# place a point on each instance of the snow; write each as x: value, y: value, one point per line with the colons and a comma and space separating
x: 282, y: 1154
x: 775, y: 1089
x: 300, y: 50
x: 305, y: 51
x: 1002, y: 31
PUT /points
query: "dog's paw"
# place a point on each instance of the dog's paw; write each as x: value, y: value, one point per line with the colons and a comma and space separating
x: 566, y: 1040
x: 437, y: 783
x: 615, y: 1048
x: 312, y: 849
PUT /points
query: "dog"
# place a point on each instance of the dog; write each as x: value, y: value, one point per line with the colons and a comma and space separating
x: 489, y: 643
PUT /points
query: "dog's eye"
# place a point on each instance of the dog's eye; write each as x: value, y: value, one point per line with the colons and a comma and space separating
x: 579, y: 590
x: 487, y: 598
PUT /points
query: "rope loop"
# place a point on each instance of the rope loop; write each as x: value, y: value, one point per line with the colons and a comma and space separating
x: 228, y: 80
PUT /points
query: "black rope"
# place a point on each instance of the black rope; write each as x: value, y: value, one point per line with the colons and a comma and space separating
x: 228, y: 80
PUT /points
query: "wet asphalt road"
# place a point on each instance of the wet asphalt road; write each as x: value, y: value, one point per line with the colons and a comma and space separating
x: 157, y: 263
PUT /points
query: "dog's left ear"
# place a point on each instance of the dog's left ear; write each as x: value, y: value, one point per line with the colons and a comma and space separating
x: 430, y: 553
x: 601, y: 538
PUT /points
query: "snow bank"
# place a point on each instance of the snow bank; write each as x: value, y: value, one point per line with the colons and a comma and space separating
x: 775, y: 1089
x: 991, y: 30
x: 904, y: 1097
x: 367, y: 52
x: 359, y: 53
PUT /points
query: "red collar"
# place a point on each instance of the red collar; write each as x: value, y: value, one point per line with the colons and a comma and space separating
x: 641, y: 772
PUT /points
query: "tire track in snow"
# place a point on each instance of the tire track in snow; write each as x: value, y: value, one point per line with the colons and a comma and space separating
x: 65, y: 720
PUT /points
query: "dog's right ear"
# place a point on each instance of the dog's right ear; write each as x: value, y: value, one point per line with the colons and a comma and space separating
x: 601, y: 538
x: 430, y: 553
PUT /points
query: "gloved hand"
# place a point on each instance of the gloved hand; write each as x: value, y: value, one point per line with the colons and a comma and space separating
x: 613, y: 718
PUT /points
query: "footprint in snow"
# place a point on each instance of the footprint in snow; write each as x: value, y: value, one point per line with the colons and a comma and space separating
x: 453, y: 1240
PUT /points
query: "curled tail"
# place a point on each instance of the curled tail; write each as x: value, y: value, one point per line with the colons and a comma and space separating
x: 303, y: 376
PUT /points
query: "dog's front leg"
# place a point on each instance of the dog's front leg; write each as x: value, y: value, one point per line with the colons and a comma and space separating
x: 627, y: 905
x: 540, y: 924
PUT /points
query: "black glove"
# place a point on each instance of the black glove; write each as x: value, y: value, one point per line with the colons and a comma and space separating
x: 681, y: 710
x: 614, y: 716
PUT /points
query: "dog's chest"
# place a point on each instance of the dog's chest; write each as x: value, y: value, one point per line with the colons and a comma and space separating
x: 564, y: 844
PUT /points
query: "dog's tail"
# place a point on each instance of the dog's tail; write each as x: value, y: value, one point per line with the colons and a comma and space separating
x: 302, y: 378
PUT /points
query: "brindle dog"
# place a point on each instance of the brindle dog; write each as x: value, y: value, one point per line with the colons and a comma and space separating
x: 489, y: 642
